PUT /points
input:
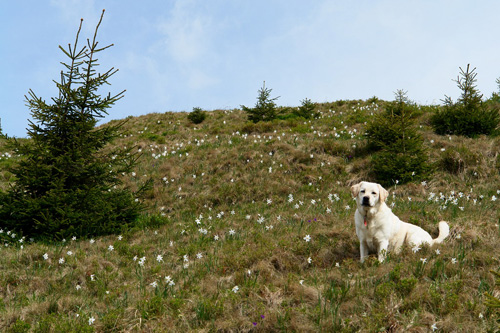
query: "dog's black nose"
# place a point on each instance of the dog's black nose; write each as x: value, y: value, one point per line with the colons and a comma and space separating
x: 366, y: 201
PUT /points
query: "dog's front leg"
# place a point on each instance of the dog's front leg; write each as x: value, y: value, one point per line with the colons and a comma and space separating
x: 382, y: 250
x: 363, y: 249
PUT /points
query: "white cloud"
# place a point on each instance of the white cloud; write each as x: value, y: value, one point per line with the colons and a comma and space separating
x: 187, y: 32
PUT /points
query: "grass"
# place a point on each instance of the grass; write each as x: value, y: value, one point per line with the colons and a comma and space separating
x: 250, y: 228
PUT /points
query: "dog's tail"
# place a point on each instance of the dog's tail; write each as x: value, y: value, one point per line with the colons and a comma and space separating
x: 444, y: 231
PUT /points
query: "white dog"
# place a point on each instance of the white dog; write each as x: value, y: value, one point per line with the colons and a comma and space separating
x: 379, y: 230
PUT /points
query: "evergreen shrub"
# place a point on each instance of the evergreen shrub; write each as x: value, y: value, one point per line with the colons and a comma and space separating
x: 398, y: 152
x: 265, y: 109
x: 306, y: 110
x: 197, y: 116
x: 469, y: 115
x: 68, y: 180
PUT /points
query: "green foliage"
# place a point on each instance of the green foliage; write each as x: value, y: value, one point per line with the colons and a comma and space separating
x: 306, y: 110
x: 495, y: 96
x: 492, y: 301
x: 265, y: 109
x: 469, y: 116
x: 19, y: 327
x: 67, y: 182
x: 197, y: 116
x: 207, y: 310
x: 399, y: 152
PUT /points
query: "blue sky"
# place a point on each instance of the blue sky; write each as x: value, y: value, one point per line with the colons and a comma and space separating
x: 215, y: 54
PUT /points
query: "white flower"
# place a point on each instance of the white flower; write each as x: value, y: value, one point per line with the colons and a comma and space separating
x: 269, y: 201
x: 61, y: 261
x: 438, y: 252
x: 423, y: 260
x: 307, y: 238
x: 309, y: 260
x: 91, y: 320
x: 92, y: 241
x: 347, y: 207
x: 120, y: 237
x: 415, y: 249
x: 453, y: 261
x: 142, y: 261
x: 301, y: 282
x: 110, y: 248
x: 235, y: 289
x: 159, y: 258
x: 434, y: 327
x: 92, y: 277
x: 45, y: 256
x: 73, y: 238
x: 232, y: 232
x: 216, y: 237
x: 480, y: 316
x: 199, y: 255
x: 493, y: 198
x: 78, y: 287
x: 154, y: 284
x: 69, y: 253
x: 337, y: 264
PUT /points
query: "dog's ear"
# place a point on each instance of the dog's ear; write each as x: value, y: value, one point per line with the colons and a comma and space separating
x: 355, y: 189
x: 383, y: 193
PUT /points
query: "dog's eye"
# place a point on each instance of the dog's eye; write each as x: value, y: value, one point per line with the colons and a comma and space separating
x: 374, y: 193
x: 362, y: 191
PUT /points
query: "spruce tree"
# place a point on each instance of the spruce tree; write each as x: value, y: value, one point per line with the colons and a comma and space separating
x: 68, y: 179
x: 265, y: 109
x: 399, y: 151
x: 469, y: 115
x: 306, y: 110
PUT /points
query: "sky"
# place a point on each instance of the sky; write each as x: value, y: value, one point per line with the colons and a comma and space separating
x: 174, y: 55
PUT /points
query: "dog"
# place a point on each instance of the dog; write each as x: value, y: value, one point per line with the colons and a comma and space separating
x: 379, y: 230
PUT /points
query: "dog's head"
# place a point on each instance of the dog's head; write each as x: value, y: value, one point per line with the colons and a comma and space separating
x: 369, y: 194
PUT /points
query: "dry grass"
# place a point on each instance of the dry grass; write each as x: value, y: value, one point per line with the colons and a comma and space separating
x: 230, y: 209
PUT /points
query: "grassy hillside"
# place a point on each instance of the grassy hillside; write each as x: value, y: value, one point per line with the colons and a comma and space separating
x: 250, y: 228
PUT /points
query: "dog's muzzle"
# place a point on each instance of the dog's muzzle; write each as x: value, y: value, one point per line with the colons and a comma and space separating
x: 365, y: 201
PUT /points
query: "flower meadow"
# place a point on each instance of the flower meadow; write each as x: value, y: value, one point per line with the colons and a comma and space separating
x: 250, y: 228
